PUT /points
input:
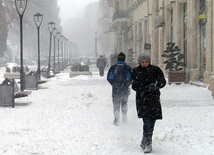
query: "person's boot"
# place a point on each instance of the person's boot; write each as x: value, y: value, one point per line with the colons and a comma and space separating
x: 143, y: 142
x: 148, y: 148
x: 148, y: 143
x: 124, y: 118
x: 116, y: 122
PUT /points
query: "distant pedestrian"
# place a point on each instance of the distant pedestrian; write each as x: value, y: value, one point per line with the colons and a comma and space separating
x: 147, y: 79
x: 113, y: 59
x: 119, y: 76
x: 101, y: 64
x: 104, y: 57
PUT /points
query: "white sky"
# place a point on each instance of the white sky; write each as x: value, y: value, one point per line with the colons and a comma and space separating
x: 72, y: 8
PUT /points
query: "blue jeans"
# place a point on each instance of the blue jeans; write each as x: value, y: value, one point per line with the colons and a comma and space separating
x: 120, y: 101
x: 148, y: 125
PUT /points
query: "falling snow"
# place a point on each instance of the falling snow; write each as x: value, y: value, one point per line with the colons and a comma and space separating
x: 75, y: 116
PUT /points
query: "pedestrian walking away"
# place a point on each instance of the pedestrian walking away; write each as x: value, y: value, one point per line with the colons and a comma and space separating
x: 119, y: 76
x: 147, y: 79
x: 101, y: 64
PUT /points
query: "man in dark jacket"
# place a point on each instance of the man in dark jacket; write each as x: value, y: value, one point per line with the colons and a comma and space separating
x: 119, y: 76
x: 146, y: 81
x: 101, y: 64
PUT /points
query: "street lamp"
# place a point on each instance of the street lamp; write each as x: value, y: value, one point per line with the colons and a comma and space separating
x: 54, y: 35
x: 58, y: 34
x: 20, y: 7
x: 62, y: 47
x: 64, y: 51
x: 38, y: 21
x: 51, y: 26
x: 95, y: 44
x: 70, y: 50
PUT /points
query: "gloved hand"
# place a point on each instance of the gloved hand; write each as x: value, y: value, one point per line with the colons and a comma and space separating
x: 152, y: 87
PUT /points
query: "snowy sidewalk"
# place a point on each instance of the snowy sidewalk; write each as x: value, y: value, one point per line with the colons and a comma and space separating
x: 74, y: 116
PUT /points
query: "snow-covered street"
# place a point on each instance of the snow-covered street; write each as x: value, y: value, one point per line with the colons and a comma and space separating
x: 74, y: 116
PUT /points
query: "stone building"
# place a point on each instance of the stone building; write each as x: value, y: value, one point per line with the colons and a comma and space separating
x: 121, y: 27
x: 148, y: 25
x: 105, y: 37
x: 162, y: 21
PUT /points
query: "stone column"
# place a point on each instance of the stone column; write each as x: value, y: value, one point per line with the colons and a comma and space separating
x: 208, y: 75
x: 167, y: 26
x: 161, y: 37
x: 134, y: 41
x: 209, y: 41
x: 137, y: 37
x: 149, y: 27
x: 192, y: 51
x: 155, y: 35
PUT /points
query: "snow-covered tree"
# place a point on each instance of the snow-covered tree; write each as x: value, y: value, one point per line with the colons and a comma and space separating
x: 3, y: 30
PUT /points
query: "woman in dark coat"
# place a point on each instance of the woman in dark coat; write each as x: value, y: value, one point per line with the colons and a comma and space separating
x: 146, y: 81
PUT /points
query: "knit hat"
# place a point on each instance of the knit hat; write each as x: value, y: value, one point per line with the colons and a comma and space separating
x: 143, y: 56
x: 121, y: 57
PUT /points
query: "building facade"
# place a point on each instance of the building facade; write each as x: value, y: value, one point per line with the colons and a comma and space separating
x: 105, y: 37
x: 148, y: 25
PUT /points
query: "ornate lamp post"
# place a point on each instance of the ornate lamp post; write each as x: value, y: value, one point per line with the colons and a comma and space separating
x: 21, y: 7
x: 62, y: 47
x: 51, y: 26
x: 64, y: 51
x: 54, y: 35
x: 70, y: 50
x: 38, y: 21
x: 96, y: 44
x: 58, y: 35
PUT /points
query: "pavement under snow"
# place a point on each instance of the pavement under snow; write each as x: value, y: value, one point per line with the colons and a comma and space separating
x: 74, y: 116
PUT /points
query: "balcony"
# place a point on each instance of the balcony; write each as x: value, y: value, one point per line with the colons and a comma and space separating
x: 119, y: 19
x: 120, y: 15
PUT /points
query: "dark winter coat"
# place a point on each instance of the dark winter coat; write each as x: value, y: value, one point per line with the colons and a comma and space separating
x: 119, y: 76
x: 147, y: 81
x: 101, y: 62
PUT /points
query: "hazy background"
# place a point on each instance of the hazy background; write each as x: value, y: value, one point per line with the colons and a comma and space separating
x: 76, y: 19
x: 79, y: 23
x: 72, y: 8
